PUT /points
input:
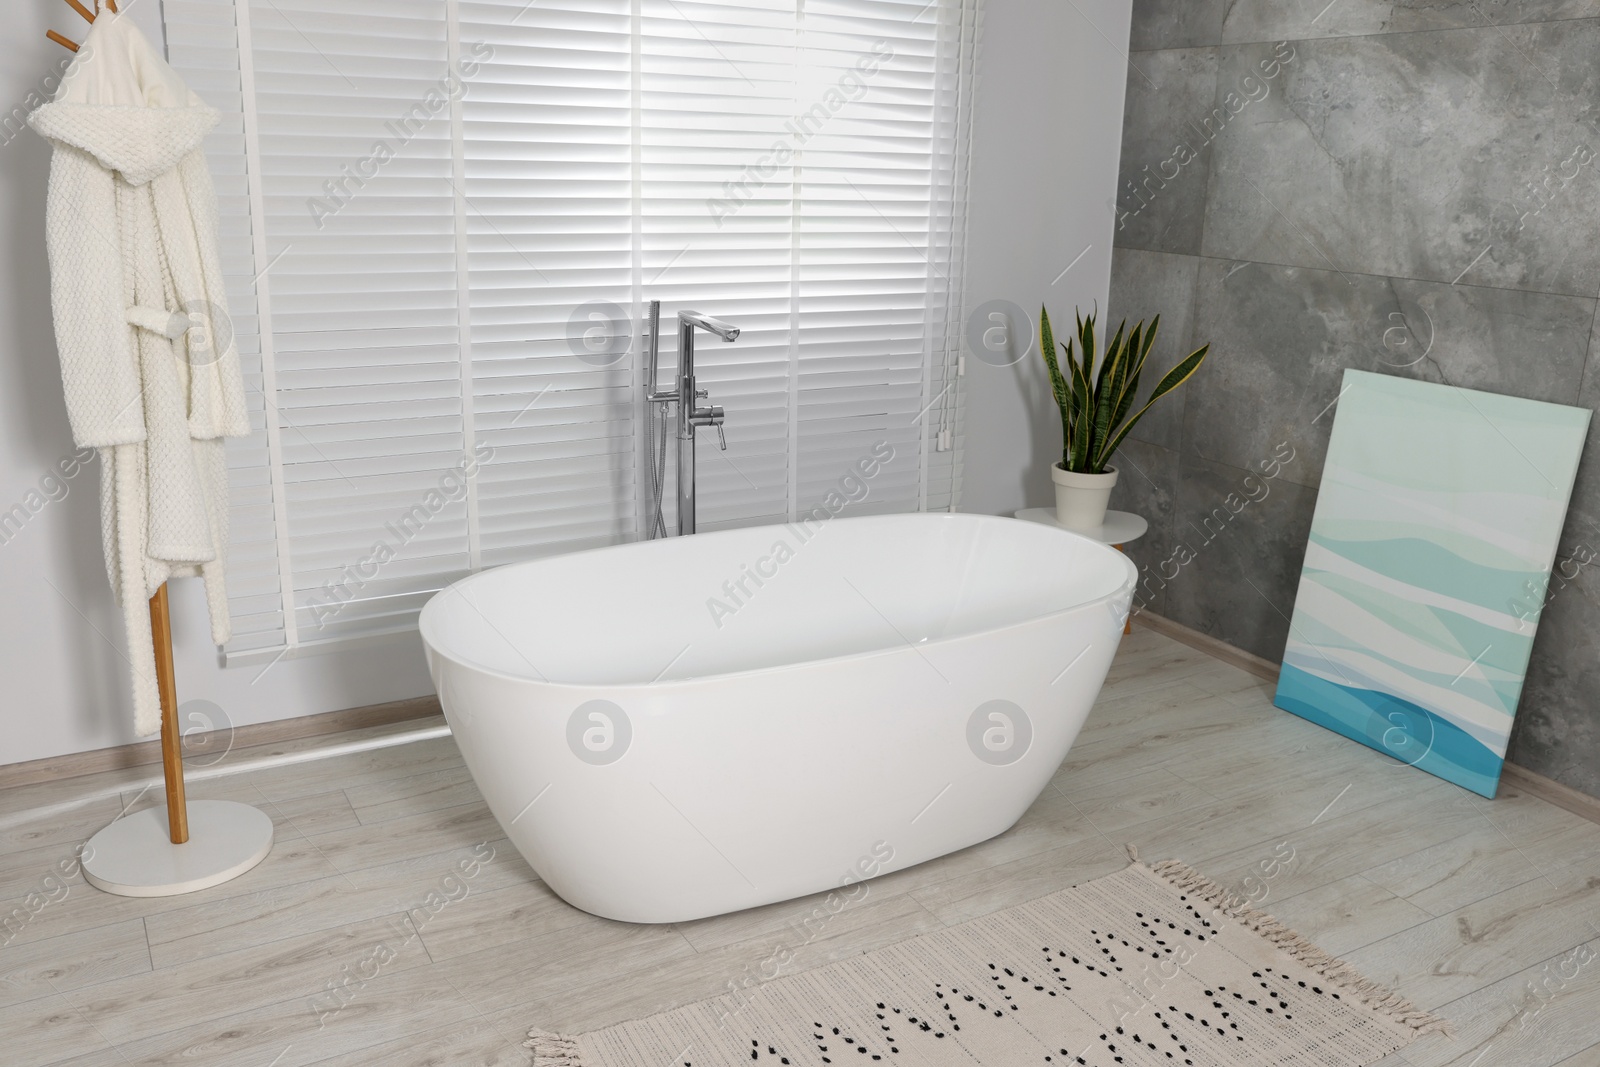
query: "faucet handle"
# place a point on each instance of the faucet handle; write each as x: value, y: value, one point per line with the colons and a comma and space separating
x: 702, y: 393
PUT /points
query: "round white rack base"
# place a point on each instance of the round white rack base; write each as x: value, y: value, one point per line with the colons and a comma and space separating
x: 135, y: 856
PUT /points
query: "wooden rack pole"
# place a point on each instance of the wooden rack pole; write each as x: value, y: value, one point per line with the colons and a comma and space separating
x: 171, y: 739
x: 160, y: 627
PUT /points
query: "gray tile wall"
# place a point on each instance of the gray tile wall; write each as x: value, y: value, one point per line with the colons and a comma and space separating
x: 1404, y: 186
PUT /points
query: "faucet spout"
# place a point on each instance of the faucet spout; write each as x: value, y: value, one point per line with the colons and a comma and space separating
x: 724, y: 330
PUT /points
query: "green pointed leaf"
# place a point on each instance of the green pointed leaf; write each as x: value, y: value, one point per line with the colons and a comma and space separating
x: 1086, y: 345
x: 1149, y: 343
x: 1058, y: 383
x: 1119, y: 384
x: 1170, y: 381
x: 1082, y: 426
x: 1047, y: 346
x: 1106, y: 392
x: 1113, y: 347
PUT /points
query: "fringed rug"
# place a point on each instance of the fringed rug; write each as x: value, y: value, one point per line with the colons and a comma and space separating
x: 1149, y: 967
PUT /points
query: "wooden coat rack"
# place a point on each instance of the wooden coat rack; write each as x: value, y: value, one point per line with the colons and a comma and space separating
x: 160, y: 611
x: 89, y: 16
x: 130, y: 857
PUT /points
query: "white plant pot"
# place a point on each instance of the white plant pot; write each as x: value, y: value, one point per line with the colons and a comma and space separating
x: 1081, y: 499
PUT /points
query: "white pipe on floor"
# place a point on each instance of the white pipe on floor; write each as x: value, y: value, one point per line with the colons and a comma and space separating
x: 224, y: 769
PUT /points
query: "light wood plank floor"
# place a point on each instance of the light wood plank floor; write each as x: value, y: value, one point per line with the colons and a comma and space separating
x: 1488, y: 912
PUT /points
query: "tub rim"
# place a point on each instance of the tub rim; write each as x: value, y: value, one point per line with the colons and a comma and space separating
x: 430, y: 648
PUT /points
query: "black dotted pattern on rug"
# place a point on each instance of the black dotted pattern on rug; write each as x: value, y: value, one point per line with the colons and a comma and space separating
x: 1169, y: 1032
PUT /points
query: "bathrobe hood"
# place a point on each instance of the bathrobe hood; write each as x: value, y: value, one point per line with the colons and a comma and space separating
x: 121, y: 103
x: 149, y: 368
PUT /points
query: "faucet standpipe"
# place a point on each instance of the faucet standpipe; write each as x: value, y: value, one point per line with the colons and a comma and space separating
x: 690, y: 415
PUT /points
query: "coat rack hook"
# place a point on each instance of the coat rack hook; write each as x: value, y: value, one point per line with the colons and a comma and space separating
x: 64, y: 42
x: 76, y: 5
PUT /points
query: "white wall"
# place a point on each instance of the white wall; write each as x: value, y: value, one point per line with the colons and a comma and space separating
x: 1047, y: 134
x: 1049, y: 116
x: 62, y: 675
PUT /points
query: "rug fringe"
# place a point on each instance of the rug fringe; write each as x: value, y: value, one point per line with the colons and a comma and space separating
x: 1374, y: 995
x: 552, y: 1050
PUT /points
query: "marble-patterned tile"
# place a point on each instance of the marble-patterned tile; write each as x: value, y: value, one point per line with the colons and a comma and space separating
x: 1166, y: 153
x: 1242, y: 538
x: 1273, y: 20
x: 1557, y: 729
x: 1583, y: 520
x: 1144, y: 285
x: 1282, y: 338
x: 1176, y: 23
x: 1531, y: 345
x: 1147, y: 485
x: 1444, y: 155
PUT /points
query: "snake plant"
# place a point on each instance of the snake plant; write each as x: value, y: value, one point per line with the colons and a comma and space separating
x: 1096, y: 402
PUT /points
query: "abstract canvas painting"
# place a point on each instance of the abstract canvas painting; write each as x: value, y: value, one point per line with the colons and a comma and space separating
x: 1431, y: 546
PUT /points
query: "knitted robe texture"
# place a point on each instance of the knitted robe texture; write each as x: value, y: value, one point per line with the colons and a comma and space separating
x: 148, y: 362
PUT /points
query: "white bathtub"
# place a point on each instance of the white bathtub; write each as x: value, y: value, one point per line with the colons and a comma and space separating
x: 686, y: 727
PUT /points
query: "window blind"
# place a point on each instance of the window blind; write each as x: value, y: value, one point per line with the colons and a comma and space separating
x: 442, y: 220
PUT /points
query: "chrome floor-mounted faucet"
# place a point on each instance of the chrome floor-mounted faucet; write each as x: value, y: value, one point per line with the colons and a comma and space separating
x: 687, y: 396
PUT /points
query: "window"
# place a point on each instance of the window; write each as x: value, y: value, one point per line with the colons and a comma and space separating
x: 442, y: 220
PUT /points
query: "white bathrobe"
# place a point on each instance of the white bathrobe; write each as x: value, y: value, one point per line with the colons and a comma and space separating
x: 147, y: 357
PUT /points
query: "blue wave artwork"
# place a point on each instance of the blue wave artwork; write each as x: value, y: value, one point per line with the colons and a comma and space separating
x: 1428, y: 566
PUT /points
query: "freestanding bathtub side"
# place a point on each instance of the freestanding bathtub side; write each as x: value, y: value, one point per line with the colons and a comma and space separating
x: 665, y: 748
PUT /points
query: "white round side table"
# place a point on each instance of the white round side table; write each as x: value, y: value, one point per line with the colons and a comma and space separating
x: 1119, y: 528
